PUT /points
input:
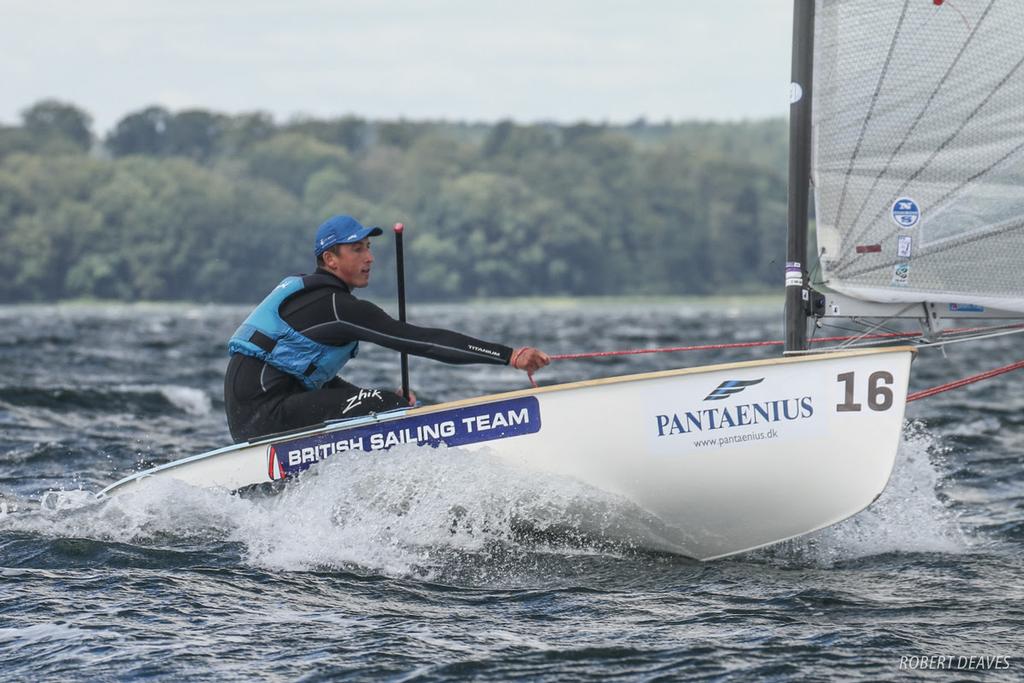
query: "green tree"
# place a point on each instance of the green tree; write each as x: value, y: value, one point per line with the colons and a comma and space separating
x: 350, y: 132
x: 55, y: 119
x: 194, y: 133
x: 144, y: 132
x: 289, y: 159
x: 240, y: 133
x: 202, y: 206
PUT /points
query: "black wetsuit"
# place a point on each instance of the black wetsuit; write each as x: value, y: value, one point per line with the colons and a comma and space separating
x: 260, y: 399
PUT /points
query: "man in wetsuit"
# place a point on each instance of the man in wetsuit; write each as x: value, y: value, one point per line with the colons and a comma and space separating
x: 287, y: 353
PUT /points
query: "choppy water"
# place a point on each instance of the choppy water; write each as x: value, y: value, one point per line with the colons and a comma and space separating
x: 415, y: 566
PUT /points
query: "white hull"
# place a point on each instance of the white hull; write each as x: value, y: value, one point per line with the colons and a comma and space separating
x: 729, y: 457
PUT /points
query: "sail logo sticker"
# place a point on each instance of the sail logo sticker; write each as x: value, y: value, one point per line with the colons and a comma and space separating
x: 730, y: 387
x: 905, y: 212
x: 903, y: 246
x: 901, y: 274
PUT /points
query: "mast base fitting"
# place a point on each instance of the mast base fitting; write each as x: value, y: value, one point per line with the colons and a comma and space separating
x: 814, y: 304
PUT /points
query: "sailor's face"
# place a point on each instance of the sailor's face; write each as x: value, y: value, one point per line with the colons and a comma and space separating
x: 352, y: 263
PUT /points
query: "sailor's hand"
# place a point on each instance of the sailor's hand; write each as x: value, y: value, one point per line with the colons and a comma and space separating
x: 412, y: 395
x: 529, y: 359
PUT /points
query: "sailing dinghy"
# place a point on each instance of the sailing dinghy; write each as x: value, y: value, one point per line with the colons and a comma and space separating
x: 918, y: 134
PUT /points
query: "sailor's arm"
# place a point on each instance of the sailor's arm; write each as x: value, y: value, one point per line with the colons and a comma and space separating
x: 365, y: 321
x: 529, y: 359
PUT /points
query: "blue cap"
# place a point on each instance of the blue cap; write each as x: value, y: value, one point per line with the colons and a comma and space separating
x: 341, y: 230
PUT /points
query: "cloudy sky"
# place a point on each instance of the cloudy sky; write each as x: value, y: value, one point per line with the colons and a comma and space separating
x: 471, y: 60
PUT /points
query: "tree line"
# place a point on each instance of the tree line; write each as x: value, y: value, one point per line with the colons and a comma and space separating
x: 201, y: 206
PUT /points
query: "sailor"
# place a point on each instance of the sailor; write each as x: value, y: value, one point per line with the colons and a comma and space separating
x: 287, y: 353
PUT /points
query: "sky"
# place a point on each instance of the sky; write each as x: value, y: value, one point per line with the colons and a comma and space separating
x: 462, y: 60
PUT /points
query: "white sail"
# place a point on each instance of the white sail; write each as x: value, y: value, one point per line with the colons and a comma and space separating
x: 918, y: 150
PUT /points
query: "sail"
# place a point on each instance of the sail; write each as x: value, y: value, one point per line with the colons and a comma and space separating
x: 918, y: 150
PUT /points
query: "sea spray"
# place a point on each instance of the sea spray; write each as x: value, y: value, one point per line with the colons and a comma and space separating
x: 413, y: 512
x: 192, y: 401
x: 409, y: 511
x: 431, y: 514
x: 909, y: 516
x: 162, y: 511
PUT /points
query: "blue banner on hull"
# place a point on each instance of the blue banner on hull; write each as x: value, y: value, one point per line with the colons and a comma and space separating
x: 457, y: 427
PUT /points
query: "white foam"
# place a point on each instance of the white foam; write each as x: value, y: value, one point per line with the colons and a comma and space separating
x: 418, y: 512
x: 192, y: 401
x: 908, y: 517
x: 163, y: 509
x: 404, y: 512
x: 49, y: 633
x: 408, y: 510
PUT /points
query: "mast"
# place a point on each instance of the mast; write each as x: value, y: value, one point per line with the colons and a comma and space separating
x: 799, y: 173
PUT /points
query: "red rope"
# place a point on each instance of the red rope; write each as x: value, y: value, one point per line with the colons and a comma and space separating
x: 733, y: 345
x: 664, y: 349
x: 713, y: 347
x: 925, y: 393
x: 745, y: 345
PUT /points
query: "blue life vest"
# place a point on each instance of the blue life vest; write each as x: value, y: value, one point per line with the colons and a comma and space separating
x: 264, y: 335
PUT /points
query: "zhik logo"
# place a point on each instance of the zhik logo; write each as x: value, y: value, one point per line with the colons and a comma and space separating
x: 730, y: 387
x: 356, y: 400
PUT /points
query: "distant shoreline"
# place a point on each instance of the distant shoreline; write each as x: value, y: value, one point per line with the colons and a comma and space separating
x: 756, y: 299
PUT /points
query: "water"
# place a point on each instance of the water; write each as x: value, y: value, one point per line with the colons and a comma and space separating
x: 418, y: 566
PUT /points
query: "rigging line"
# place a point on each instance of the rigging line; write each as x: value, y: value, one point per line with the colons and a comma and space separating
x: 965, y: 331
x: 871, y: 110
x: 860, y: 345
x: 920, y: 117
x: 918, y: 344
x: 882, y: 324
x: 847, y: 347
x: 856, y: 330
x: 668, y: 349
x: 925, y: 393
x: 881, y: 336
x: 873, y: 327
x: 960, y: 340
x: 814, y: 278
x: 870, y: 330
x: 840, y: 328
x: 951, y: 333
x: 713, y: 347
x: 917, y: 341
x: 863, y: 322
x: 865, y: 336
x: 985, y: 328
